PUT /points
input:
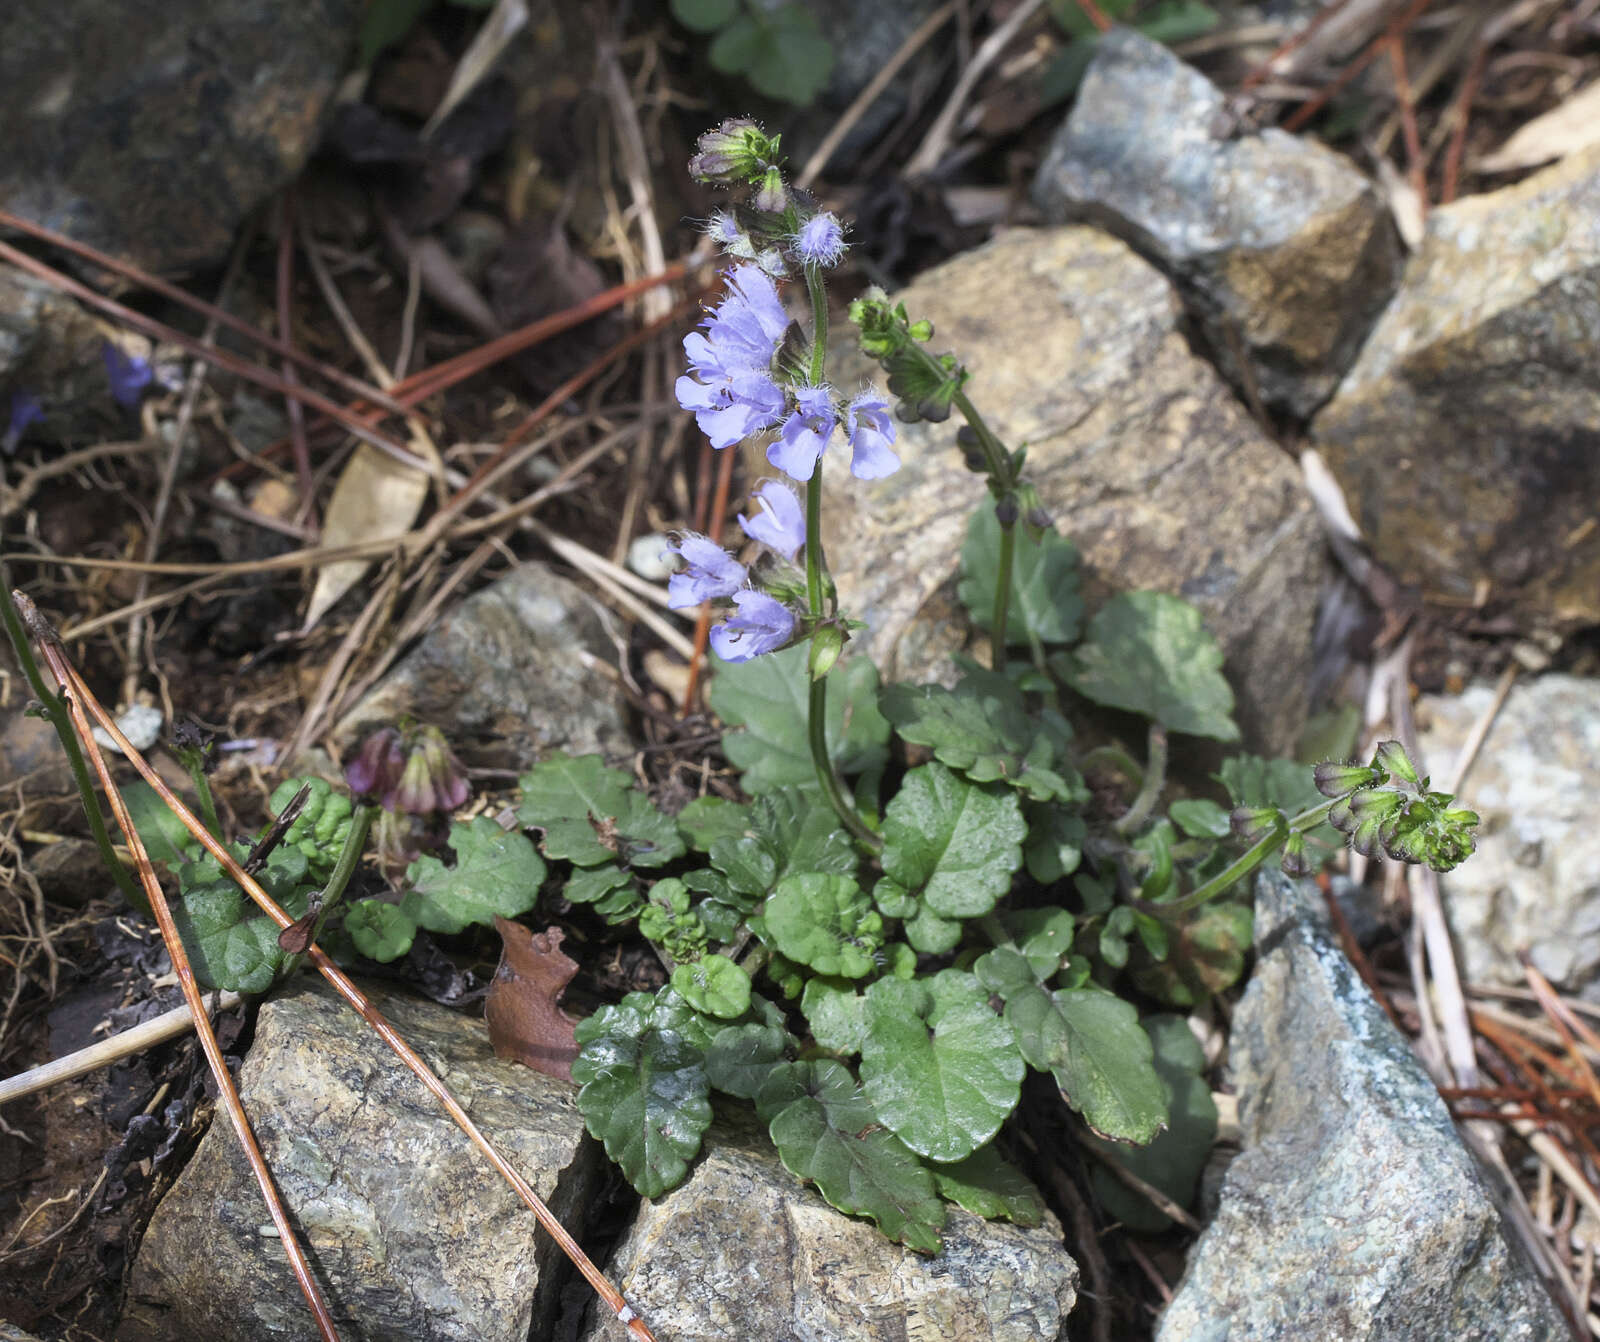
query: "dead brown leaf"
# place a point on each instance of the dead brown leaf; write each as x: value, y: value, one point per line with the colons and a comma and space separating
x: 524, y: 1021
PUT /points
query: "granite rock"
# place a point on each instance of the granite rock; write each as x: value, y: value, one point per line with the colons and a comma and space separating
x: 151, y: 131
x: 1282, y: 249
x: 1467, y: 435
x: 1534, y: 883
x: 1140, y: 452
x: 1353, y: 1210
x: 508, y: 676
x: 413, y: 1236
x: 742, y: 1250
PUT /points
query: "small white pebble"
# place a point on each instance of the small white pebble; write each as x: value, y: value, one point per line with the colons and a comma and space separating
x: 650, y: 559
x: 141, y: 724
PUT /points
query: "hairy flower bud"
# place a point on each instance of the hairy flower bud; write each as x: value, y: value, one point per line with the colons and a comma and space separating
x: 736, y: 151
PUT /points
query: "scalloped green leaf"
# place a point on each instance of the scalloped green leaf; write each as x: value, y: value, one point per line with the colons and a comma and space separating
x: 497, y: 872
x: 834, y: 1011
x: 1102, y: 1060
x: 941, y: 1069
x: 704, y: 16
x: 785, y: 833
x: 1044, y: 936
x: 1055, y: 841
x: 782, y: 52
x: 1045, y: 605
x: 587, y: 885
x: 166, y: 838
x: 380, y: 930
x: 988, y: 1185
x: 592, y: 815
x: 230, y: 944
x: 930, y: 934
x: 1174, y: 1160
x: 1200, y: 818
x: 827, y: 1132
x: 984, y: 729
x: 766, y: 700
x: 1150, y: 653
x: 714, y: 985
x: 825, y: 921
x: 740, y: 1058
x: 955, y: 841
x: 707, y: 819
x: 643, y: 1090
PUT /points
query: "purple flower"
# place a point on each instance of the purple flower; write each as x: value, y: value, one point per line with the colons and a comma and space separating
x: 763, y: 624
x: 376, y: 770
x: 712, y: 572
x: 871, y: 434
x: 25, y: 410
x: 723, y: 229
x: 820, y: 240
x: 781, y: 523
x: 731, y: 390
x: 805, y: 433
x: 434, y: 779
x: 128, y: 374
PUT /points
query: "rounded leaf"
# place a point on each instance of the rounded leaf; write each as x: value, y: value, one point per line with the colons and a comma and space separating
x: 957, y: 842
x: 826, y: 922
x: 714, y: 985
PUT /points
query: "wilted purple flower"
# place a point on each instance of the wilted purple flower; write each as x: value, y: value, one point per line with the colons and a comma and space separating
x: 731, y: 391
x: 762, y: 624
x: 376, y: 769
x: 805, y: 433
x: 712, y: 572
x: 128, y: 374
x: 781, y: 523
x: 871, y: 433
x: 723, y: 229
x: 25, y: 410
x: 434, y: 779
x: 820, y: 240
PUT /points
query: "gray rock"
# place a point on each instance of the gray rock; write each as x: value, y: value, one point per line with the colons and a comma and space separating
x: 151, y: 131
x: 1353, y: 1211
x: 414, y: 1237
x: 1467, y: 435
x: 742, y: 1250
x: 1141, y: 454
x: 508, y: 675
x: 9, y: 1332
x: 1534, y: 883
x: 1282, y: 248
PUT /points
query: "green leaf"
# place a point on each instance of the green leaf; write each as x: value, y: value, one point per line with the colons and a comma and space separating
x: 707, y: 819
x: 826, y: 922
x: 782, y: 53
x: 1055, y: 841
x: 956, y: 842
x: 704, y: 16
x: 385, y: 23
x: 165, y: 837
x: 591, y: 814
x: 930, y: 934
x: 1175, y: 21
x: 1091, y: 1042
x: 1044, y: 605
x: 1173, y: 1161
x: 786, y: 833
x: 988, y: 1185
x: 834, y: 1011
x: 381, y: 931
x: 1044, y: 937
x: 1254, y: 781
x: 714, y: 985
x: 984, y: 729
x: 768, y: 697
x: 1206, y: 949
x: 496, y: 872
x: 643, y: 1090
x: 587, y: 885
x: 829, y: 1134
x: 1149, y: 653
x: 229, y: 943
x: 1006, y: 972
x: 1200, y: 818
x: 322, y: 826
x: 740, y: 1058
x: 939, y: 1066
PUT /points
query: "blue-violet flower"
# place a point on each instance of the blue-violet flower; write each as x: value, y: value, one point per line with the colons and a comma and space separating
x: 731, y: 391
x: 712, y: 572
x: 25, y: 410
x: 780, y: 525
x: 128, y: 374
x: 872, y: 433
x: 762, y: 624
x: 820, y: 240
x: 805, y: 433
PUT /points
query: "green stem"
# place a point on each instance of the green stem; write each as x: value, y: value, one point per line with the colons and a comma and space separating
x: 817, y: 706
x: 1155, y: 778
x: 1002, y: 596
x: 56, y: 711
x: 1117, y: 758
x: 1249, y: 860
x: 194, y: 762
x: 333, y: 892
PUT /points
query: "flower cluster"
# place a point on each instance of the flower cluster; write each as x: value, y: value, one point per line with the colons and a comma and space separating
x: 1405, y: 819
x: 744, y: 379
x: 417, y: 780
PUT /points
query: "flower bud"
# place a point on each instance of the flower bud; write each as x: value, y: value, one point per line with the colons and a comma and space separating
x: 772, y: 196
x: 736, y: 151
x: 826, y: 645
x: 1295, y: 862
x: 1334, y: 779
x: 1255, y: 822
x: 1392, y: 759
x: 1006, y: 511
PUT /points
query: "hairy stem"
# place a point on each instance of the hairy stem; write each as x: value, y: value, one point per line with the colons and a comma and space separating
x: 1155, y: 778
x: 1002, y: 597
x: 1249, y: 860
